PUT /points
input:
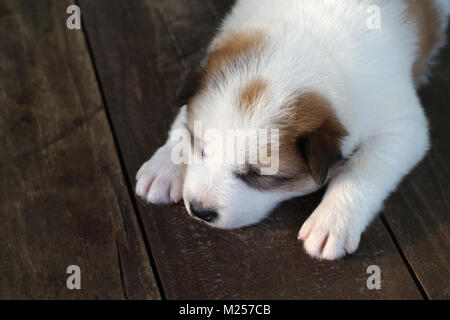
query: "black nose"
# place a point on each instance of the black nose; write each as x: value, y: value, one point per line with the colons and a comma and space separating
x: 207, y: 215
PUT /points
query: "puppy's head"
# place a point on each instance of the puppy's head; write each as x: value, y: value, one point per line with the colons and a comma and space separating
x: 252, y: 143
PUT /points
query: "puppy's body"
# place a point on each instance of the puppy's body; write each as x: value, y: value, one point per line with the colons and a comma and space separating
x: 337, y: 84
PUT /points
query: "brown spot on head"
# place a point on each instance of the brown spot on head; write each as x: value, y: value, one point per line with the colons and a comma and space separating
x: 228, y: 47
x: 428, y: 21
x: 228, y: 50
x: 252, y: 93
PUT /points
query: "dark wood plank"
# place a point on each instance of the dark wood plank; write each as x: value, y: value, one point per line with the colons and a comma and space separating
x: 175, y: 13
x: 140, y: 66
x: 63, y: 199
x: 418, y: 212
x: 220, y: 8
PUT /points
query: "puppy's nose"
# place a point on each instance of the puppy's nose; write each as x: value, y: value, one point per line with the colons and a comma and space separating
x: 198, y: 211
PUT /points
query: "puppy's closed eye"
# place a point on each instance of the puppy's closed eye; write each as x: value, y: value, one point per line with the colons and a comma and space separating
x: 251, y: 175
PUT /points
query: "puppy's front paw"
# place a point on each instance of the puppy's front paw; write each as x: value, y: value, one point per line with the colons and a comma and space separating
x: 330, y: 236
x: 159, y: 180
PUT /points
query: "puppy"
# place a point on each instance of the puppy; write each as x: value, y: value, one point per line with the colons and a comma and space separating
x: 334, y: 84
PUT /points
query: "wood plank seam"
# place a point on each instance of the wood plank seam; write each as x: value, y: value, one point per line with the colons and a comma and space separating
x: 405, y: 260
x: 122, y: 278
x: 122, y: 166
x: 63, y: 190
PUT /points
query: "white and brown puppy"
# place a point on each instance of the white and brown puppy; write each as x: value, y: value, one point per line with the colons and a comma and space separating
x: 338, y: 90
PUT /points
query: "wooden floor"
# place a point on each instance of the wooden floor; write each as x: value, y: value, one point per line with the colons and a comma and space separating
x: 82, y: 109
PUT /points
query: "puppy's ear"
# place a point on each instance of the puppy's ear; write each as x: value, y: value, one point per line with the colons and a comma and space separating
x: 320, y: 137
x: 190, y: 85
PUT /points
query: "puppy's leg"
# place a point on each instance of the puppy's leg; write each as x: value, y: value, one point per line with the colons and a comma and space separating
x: 355, y: 196
x: 160, y: 179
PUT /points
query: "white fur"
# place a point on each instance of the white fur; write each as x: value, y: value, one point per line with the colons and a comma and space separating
x: 323, y: 46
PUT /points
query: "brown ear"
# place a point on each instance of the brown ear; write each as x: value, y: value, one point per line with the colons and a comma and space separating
x: 320, y: 136
x: 320, y: 150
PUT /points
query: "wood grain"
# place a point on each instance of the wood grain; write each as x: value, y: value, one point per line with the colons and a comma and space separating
x: 63, y: 200
x: 139, y: 49
x: 418, y: 212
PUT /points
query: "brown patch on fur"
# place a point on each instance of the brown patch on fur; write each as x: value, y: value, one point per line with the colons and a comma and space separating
x: 251, y: 93
x: 428, y: 20
x: 225, y: 50
x: 230, y: 46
